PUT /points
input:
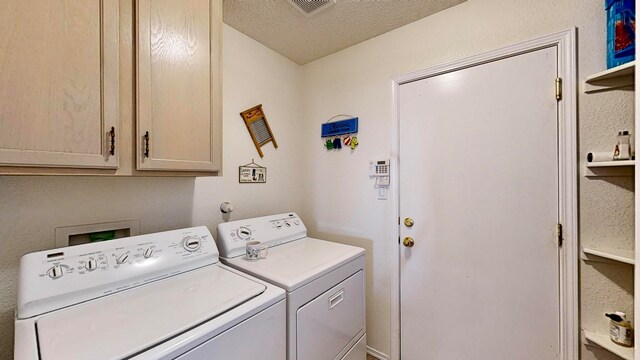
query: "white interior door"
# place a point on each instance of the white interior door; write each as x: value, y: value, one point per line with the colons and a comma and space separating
x: 478, y: 174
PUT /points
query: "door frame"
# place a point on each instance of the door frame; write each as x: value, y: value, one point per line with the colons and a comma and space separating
x: 565, y: 42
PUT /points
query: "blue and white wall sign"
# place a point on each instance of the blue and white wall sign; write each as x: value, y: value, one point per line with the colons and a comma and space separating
x: 341, y: 127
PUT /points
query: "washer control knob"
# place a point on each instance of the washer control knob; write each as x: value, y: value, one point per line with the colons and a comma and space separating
x: 122, y: 258
x: 287, y: 224
x: 191, y: 244
x: 148, y: 253
x: 244, y: 233
x: 91, y: 265
x: 55, y: 272
x: 297, y: 222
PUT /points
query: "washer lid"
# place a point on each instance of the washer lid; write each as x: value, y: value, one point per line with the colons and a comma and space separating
x: 120, y: 325
x: 299, y: 262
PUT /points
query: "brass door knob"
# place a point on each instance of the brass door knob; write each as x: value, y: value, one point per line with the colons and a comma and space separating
x: 408, y: 222
x: 408, y: 242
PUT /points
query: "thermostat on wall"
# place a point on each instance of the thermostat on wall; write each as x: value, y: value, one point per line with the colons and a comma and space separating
x: 380, y: 171
x: 379, y: 168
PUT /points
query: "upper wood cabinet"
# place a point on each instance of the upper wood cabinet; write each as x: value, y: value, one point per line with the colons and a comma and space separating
x: 178, y: 85
x: 59, y: 71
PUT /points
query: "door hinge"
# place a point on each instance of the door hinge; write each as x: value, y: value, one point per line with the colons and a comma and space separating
x: 559, y: 89
x: 112, y: 134
x: 559, y: 234
x: 398, y: 239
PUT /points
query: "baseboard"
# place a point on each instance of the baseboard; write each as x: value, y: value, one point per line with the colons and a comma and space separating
x: 377, y: 354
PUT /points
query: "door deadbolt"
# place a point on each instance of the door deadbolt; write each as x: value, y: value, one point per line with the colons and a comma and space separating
x: 408, y: 242
x: 408, y: 222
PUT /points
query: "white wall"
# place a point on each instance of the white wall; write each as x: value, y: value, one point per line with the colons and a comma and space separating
x: 339, y: 200
x: 32, y: 207
x: 254, y: 74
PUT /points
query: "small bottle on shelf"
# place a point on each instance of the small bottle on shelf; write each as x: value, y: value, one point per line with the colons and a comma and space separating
x: 623, y: 148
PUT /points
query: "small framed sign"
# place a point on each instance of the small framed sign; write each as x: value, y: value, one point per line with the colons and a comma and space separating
x: 252, y: 173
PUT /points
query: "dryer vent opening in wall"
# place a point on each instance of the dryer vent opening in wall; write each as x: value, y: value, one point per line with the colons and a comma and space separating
x: 311, y: 7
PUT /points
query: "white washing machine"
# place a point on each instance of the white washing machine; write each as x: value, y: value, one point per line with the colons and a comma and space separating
x: 325, y: 284
x: 155, y: 296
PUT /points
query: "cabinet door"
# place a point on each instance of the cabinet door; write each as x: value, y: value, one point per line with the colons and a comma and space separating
x: 178, y: 84
x: 59, y: 83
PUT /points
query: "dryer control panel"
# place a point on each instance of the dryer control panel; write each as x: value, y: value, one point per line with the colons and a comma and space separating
x: 270, y: 230
x: 62, y: 277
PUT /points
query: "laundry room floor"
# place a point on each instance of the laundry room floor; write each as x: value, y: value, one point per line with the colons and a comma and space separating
x: 369, y: 357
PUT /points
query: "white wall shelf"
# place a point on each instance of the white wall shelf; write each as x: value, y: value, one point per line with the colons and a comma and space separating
x: 615, y: 78
x: 616, y: 163
x: 593, y: 253
x: 610, y: 168
x: 603, y: 341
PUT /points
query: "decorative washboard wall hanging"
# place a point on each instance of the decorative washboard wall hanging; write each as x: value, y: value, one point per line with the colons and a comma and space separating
x: 258, y: 127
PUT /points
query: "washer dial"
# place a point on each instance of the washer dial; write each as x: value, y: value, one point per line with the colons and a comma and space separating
x: 191, y: 243
x: 91, y: 265
x: 244, y: 233
x: 122, y: 258
x: 55, y: 272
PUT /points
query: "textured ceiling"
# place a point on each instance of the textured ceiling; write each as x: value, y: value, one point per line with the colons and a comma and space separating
x: 281, y: 27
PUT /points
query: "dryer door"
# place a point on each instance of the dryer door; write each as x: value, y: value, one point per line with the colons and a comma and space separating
x: 328, y: 323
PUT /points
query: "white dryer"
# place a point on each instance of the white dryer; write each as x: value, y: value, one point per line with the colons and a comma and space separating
x: 155, y: 296
x: 324, y: 281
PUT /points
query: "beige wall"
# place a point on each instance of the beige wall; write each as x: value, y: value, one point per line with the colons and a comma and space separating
x: 356, y: 81
x: 32, y: 207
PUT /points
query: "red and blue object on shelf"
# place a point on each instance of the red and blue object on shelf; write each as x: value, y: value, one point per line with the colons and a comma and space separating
x: 621, y: 32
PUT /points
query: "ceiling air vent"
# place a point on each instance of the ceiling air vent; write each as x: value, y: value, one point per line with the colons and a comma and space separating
x: 311, y: 7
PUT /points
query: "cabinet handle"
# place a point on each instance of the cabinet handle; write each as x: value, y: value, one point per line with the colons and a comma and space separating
x: 112, y: 133
x: 146, y: 144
